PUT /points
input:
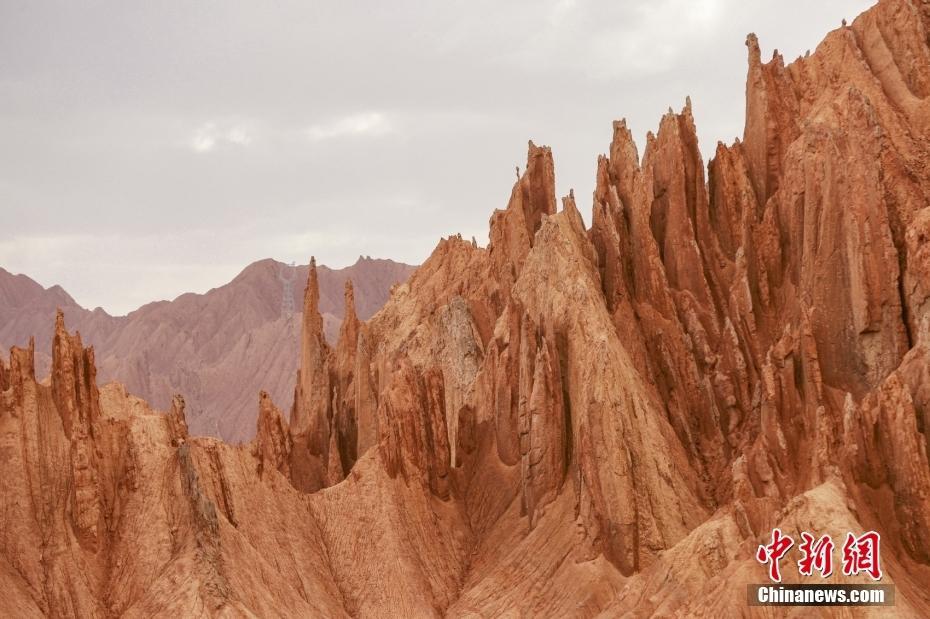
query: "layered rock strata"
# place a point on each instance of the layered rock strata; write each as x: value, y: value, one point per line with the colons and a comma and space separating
x: 573, y: 421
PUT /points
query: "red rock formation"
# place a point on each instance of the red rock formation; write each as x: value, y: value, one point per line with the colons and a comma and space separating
x: 272, y: 446
x: 412, y: 437
x: 312, y: 413
x: 334, y: 417
x: 74, y: 381
x: 571, y: 422
x: 513, y: 229
x: 344, y: 387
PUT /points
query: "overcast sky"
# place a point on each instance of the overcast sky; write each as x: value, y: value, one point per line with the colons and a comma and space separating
x: 153, y: 148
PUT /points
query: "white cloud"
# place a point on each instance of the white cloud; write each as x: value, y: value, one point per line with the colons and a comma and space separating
x: 238, y: 135
x: 561, y: 10
x: 208, y: 135
x: 618, y: 40
x: 204, y: 138
x: 371, y: 124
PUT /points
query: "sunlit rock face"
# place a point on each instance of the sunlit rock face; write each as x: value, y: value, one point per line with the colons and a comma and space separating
x: 571, y: 421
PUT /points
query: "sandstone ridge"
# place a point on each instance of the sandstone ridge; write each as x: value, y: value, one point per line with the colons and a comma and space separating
x: 571, y: 421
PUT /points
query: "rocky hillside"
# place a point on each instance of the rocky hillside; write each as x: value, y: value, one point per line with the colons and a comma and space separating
x: 218, y: 349
x: 572, y: 421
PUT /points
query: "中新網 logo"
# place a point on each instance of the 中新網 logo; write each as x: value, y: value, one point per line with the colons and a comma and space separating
x: 859, y: 554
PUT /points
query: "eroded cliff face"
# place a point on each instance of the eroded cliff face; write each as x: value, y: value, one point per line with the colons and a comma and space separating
x: 573, y: 421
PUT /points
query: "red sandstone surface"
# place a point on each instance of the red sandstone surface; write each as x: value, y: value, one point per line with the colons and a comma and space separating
x: 573, y: 421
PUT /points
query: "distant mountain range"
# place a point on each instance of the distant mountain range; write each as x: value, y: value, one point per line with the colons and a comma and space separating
x: 662, y: 414
x: 217, y: 349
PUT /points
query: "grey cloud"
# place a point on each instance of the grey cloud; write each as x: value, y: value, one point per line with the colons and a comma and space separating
x: 154, y: 148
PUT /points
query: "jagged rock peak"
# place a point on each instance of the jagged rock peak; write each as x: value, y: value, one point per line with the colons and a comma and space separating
x: 311, y: 413
x: 177, y: 421
x: 631, y: 409
x: 538, y: 186
x: 755, y: 54
x: 349, y: 295
x: 4, y: 376
x: 313, y: 321
x: 272, y: 444
x: 514, y: 229
x: 22, y: 363
x: 348, y: 331
x: 73, y: 379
